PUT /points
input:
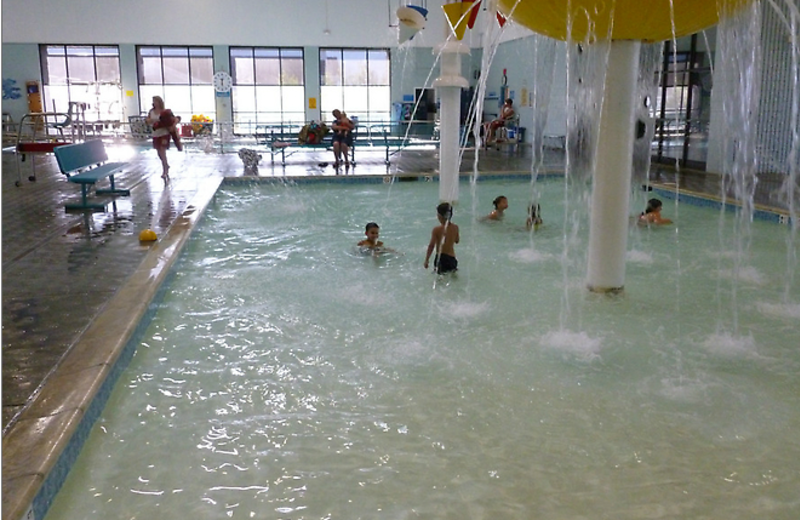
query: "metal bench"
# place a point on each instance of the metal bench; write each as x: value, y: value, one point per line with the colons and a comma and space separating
x: 282, y: 140
x: 85, y: 164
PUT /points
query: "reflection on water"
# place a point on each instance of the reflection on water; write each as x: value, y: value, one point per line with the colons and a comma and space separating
x: 286, y: 377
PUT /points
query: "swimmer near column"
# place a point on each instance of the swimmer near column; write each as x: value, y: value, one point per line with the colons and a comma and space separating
x: 624, y: 24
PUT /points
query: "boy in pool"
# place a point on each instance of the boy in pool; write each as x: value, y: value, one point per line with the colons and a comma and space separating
x: 500, y: 205
x: 652, y: 214
x: 534, y: 217
x: 443, y: 239
x: 371, y: 242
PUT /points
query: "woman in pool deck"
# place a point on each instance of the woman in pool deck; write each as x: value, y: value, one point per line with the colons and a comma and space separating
x: 342, y: 128
x: 500, y: 205
x: 164, y: 129
x: 443, y: 239
x: 652, y: 214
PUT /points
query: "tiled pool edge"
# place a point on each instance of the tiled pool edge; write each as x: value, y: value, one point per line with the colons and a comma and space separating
x: 58, y: 445
x: 709, y: 201
x: 40, y: 448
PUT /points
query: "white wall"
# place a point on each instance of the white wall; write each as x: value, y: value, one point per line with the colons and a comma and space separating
x: 351, y: 23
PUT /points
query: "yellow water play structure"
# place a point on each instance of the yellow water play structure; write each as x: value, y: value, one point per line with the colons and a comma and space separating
x: 643, y: 20
x: 619, y: 26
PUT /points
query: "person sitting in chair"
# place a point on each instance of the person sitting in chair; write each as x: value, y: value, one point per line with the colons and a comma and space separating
x: 507, y: 114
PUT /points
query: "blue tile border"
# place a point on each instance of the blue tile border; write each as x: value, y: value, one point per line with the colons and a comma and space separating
x: 706, y: 202
x: 63, y: 462
x: 58, y: 475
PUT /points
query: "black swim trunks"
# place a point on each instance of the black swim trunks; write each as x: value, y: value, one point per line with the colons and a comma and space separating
x: 445, y: 263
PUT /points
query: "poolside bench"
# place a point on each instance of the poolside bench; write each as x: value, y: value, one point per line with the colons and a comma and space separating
x: 85, y: 164
x: 393, y: 137
x: 283, y: 140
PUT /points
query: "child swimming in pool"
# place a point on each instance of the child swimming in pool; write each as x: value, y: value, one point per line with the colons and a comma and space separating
x: 371, y: 244
x: 372, y: 232
x: 444, y: 237
x: 652, y: 214
x: 500, y: 205
x: 534, y: 217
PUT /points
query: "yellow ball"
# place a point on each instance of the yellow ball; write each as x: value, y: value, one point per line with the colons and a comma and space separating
x: 647, y: 20
x: 148, y: 235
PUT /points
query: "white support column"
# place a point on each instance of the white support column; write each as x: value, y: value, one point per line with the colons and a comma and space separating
x: 611, y: 187
x: 449, y: 85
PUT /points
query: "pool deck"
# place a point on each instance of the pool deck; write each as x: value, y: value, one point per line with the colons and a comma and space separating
x: 75, y: 285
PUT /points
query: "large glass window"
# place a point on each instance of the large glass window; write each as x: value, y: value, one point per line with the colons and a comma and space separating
x: 357, y: 81
x: 268, y: 87
x: 88, y: 74
x: 682, y: 106
x: 182, y: 76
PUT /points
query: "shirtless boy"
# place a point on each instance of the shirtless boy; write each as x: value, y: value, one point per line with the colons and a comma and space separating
x: 443, y: 239
x: 372, y: 232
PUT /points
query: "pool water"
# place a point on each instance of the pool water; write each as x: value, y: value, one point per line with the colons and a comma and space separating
x: 286, y: 375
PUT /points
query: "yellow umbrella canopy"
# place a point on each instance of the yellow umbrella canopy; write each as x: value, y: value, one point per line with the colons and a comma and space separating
x: 647, y: 20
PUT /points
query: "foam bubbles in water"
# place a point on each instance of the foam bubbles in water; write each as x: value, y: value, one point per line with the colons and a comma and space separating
x: 639, y: 257
x: 779, y: 310
x: 528, y: 256
x: 730, y: 346
x: 682, y: 389
x: 360, y: 295
x: 577, y: 344
x: 465, y: 310
x: 746, y: 274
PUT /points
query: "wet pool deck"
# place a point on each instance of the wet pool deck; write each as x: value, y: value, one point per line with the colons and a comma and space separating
x: 74, y: 283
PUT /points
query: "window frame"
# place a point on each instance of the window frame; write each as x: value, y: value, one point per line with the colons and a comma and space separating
x: 194, y: 96
x: 343, y: 81
x: 289, y: 112
x: 103, y: 95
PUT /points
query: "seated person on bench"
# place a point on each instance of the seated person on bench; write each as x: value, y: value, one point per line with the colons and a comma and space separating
x: 342, y: 128
x: 506, y: 114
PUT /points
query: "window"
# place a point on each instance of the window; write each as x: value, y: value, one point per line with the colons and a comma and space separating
x: 182, y: 76
x: 682, y: 106
x: 357, y: 81
x: 268, y: 87
x: 87, y: 74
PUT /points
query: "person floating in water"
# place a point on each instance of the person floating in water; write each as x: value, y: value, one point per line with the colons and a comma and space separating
x: 372, y: 232
x: 652, y: 214
x: 500, y: 205
x: 534, y: 217
x: 444, y: 237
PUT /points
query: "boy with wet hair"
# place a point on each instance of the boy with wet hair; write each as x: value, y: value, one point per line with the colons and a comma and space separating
x: 372, y: 231
x: 443, y: 239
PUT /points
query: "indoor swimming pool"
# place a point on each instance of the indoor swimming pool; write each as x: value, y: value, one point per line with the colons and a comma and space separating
x: 287, y: 375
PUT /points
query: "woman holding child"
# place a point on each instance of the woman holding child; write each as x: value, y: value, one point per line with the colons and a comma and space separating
x: 342, y: 128
x: 164, y: 124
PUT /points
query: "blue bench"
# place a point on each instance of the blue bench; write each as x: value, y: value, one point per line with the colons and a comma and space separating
x: 85, y: 164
